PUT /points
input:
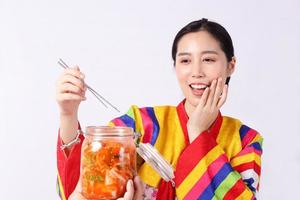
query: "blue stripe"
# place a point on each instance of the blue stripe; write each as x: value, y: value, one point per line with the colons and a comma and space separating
x: 243, y: 131
x: 249, y: 182
x: 155, y: 132
x: 256, y: 145
x: 209, y: 192
x: 128, y: 121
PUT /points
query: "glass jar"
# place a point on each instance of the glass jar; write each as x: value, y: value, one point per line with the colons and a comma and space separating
x: 108, y: 161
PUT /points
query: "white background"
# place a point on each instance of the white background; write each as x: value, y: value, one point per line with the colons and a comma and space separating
x: 124, y: 48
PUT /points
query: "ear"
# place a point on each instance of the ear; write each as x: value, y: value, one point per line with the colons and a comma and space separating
x: 231, y: 66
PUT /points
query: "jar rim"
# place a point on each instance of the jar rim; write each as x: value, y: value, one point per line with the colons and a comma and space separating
x: 109, y: 131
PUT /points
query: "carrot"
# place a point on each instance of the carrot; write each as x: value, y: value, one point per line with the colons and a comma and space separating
x: 106, y: 170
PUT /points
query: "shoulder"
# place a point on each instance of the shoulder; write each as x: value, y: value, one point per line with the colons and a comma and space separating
x: 234, y: 136
x: 244, y: 133
x: 158, y: 110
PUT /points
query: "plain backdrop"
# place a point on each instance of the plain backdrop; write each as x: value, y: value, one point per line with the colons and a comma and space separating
x: 124, y: 49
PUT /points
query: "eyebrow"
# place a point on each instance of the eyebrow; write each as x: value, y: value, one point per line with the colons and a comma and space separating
x: 203, y: 52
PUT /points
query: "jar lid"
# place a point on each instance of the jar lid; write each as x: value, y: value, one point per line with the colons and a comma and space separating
x: 109, y: 131
x: 156, y: 161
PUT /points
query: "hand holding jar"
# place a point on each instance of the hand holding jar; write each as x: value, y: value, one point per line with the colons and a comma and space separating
x: 108, y: 163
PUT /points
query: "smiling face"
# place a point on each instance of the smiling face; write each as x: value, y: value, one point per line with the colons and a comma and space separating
x: 199, y: 61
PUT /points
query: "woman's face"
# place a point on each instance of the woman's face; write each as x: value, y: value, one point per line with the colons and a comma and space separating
x: 199, y: 61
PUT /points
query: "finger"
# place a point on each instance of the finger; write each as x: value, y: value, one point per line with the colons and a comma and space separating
x: 70, y: 97
x: 77, y: 67
x: 223, y: 97
x: 73, y: 80
x: 76, y: 196
x: 139, y: 188
x: 211, y: 95
x: 70, y: 88
x: 79, y: 185
x: 203, y: 99
x: 129, y: 191
x: 218, y: 92
x: 75, y: 71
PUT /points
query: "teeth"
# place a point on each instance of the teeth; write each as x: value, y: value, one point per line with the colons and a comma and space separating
x: 198, y: 86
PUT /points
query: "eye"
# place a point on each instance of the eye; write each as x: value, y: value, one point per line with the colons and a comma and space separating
x: 208, y: 60
x: 185, y: 61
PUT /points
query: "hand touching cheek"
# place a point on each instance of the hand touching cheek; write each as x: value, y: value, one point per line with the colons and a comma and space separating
x: 207, y: 110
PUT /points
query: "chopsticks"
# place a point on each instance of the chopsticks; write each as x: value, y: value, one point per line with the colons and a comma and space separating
x: 96, y: 94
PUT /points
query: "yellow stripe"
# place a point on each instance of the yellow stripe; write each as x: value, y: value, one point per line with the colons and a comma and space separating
x: 61, y: 189
x: 245, y: 159
x: 111, y: 124
x: 229, y: 137
x: 257, y: 138
x: 246, y: 195
x: 170, y: 149
x: 197, y: 172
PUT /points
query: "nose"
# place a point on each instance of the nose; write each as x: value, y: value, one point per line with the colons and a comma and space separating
x: 197, y: 70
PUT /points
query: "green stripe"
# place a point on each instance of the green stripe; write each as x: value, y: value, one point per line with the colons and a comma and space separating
x: 57, y: 187
x: 226, y: 185
x: 130, y: 113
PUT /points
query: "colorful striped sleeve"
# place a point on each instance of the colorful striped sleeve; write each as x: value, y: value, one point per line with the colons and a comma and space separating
x: 204, y: 171
x: 248, y: 161
x: 142, y: 120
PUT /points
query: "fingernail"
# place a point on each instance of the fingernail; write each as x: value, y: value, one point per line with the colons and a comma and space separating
x: 82, y: 76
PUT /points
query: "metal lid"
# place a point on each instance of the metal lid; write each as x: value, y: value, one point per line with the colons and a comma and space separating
x: 156, y: 161
x: 108, y: 131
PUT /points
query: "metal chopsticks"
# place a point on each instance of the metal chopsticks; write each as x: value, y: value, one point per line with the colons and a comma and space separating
x: 96, y: 94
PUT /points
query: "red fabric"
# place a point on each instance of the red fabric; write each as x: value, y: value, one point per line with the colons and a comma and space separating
x: 165, y: 191
x: 235, y: 191
x: 183, y: 118
x: 250, y: 165
x: 69, y: 167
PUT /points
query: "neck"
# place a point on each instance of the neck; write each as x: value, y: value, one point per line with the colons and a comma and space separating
x: 189, y: 108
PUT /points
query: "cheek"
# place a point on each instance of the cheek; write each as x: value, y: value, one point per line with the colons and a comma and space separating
x: 215, y: 75
x: 217, y: 71
x: 182, y: 74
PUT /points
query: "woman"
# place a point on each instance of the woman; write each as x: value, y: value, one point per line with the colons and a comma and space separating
x: 214, y: 157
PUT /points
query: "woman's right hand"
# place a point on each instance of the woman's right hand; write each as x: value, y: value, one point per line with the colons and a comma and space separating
x: 70, y: 91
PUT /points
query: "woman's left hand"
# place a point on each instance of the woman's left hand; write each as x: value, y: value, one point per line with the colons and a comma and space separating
x: 134, y: 192
x: 207, y: 110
